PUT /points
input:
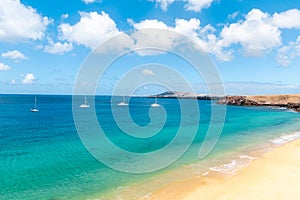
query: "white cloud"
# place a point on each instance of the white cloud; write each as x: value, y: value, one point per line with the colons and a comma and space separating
x: 191, y: 5
x: 233, y: 15
x: 148, y: 23
x: 287, y: 53
x: 255, y: 34
x: 90, y: 1
x: 65, y: 16
x: 288, y: 19
x: 202, y: 36
x: 92, y: 29
x: 148, y: 72
x: 197, y: 5
x: 189, y: 28
x: 29, y: 78
x: 13, y: 82
x: 18, y: 21
x: 4, y: 67
x: 14, y: 55
x: 58, y: 47
x: 164, y: 4
x: 117, y: 45
x: 145, y: 37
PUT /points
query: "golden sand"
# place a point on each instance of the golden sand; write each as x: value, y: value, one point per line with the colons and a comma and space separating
x: 275, y: 175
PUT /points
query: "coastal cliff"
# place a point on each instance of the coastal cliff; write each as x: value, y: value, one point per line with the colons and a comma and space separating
x: 287, y: 101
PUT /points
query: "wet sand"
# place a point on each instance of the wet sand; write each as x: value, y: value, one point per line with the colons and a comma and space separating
x: 273, y: 175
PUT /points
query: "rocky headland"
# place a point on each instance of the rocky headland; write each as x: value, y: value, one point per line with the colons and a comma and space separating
x: 291, y: 101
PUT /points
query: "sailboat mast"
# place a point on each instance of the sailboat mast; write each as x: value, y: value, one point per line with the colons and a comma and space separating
x: 34, y: 102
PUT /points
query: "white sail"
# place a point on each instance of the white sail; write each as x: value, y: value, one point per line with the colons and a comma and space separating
x: 155, y: 104
x: 123, y: 103
x: 34, y: 109
x: 85, y: 105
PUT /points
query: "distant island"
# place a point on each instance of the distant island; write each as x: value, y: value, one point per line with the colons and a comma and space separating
x: 185, y: 95
x: 289, y: 101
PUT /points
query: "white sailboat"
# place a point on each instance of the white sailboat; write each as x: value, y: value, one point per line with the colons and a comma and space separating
x: 155, y: 104
x: 123, y: 103
x: 85, y: 105
x: 34, y: 109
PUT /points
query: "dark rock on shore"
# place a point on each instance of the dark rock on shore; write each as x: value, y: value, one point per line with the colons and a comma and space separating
x: 294, y: 106
x: 286, y: 101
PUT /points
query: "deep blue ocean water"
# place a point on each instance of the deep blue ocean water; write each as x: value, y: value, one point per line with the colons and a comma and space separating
x: 42, y: 156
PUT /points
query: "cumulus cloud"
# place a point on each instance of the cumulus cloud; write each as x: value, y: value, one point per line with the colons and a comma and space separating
x: 18, y: 21
x: 288, y: 19
x: 28, y: 79
x: 164, y: 4
x: 197, y: 5
x: 191, y: 5
x: 148, y: 72
x: 116, y: 45
x: 92, y: 29
x: 258, y: 33
x: 58, y: 47
x: 14, y: 55
x: 148, y: 23
x: 145, y: 37
x: 205, y: 37
x: 255, y: 34
x: 287, y: 53
x: 202, y: 36
x: 4, y: 67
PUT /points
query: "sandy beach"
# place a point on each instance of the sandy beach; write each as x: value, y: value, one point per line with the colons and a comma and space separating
x: 273, y: 175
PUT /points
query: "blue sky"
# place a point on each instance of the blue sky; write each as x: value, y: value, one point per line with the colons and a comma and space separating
x: 254, y: 44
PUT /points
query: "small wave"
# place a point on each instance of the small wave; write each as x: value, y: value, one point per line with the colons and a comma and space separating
x: 279, y: 108
x: 285, y: 138
x: 292, y: 111
x: 229, y: 168
x: 235, y: 165
x: 247, y: 157
x: 205, y: 174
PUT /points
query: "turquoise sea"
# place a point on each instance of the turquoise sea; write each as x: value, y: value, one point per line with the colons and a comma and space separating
x: 42, y: 156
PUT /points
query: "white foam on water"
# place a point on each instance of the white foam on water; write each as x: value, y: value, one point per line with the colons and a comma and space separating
x: 228, y: 168
x: 234, y: 166
x: 285, y: 138
x: 247, y: 157
x: 279, y: 108
x: 205, y: 174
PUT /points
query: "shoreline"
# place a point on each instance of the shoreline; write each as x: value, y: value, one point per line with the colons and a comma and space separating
x: 291, y: 102
x: 179, y: 183
x: 264, y: 178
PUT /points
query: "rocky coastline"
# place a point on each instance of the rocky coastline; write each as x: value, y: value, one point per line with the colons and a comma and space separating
x: 285, y: 101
